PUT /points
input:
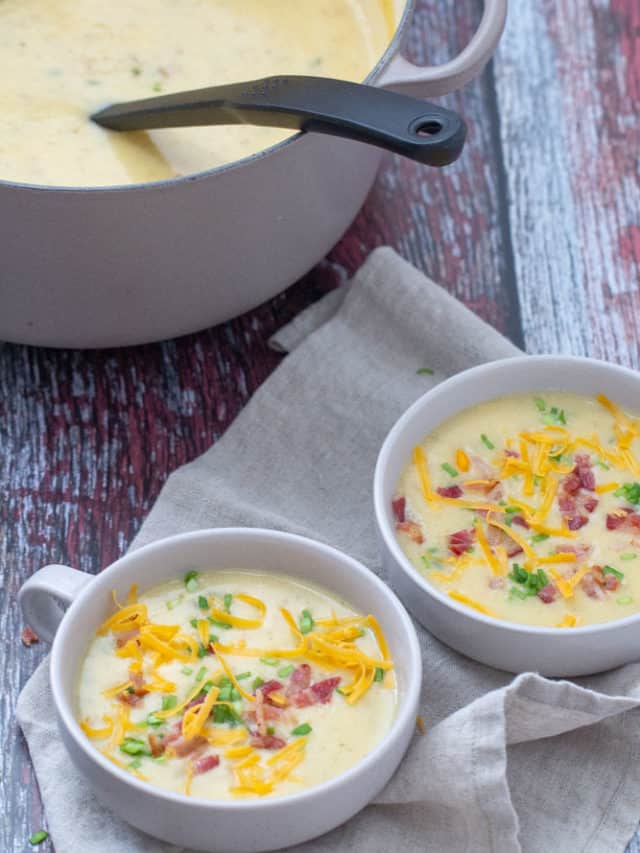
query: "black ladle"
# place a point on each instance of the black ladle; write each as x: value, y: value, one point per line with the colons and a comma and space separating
x: 407, y: 126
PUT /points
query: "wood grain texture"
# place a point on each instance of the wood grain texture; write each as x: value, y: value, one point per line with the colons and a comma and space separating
x: 88, y: 439
x: 568, y: 86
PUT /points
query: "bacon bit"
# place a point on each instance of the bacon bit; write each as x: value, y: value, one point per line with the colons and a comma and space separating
x: 575, y: 522
x: 513, y: 453
x: 268, y: 688
x: 138, y: 683
x: 206, y: 763
x: 197, y: 700
x: 300, y: 677
x: 124, y: 637
x: 584, y: 472
x: 450, y: 491
x: 480, y: 468
x: 187, y: 746
x: 591, y: 585
x: 548, y: 593
x: 520, y: 520
x: 461, y: 541
x: 323, y: 690
x: 624, y: 518
x: 398, y: 505
x: 156, y: 745
x: 496, y: 582
x: 497, y: 537
x: 129, y: 698
x: 269, y: 712
x: 573, y: 503
x: 581, y: 550
x: 29, y: 637
x: 267, y: 742
x: 412, y: 530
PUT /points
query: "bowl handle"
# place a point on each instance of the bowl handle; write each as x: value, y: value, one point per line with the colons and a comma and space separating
x: 45, y: 596
x: 422, y: 82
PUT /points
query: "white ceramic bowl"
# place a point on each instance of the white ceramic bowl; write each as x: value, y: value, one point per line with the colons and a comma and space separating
x: 505, y: 645
x: 229, y: 826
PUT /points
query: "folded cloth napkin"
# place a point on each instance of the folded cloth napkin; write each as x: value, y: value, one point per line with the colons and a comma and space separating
x: 506, y: 764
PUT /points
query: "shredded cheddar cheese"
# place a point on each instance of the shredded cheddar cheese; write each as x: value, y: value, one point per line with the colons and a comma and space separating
x: 464, y: 599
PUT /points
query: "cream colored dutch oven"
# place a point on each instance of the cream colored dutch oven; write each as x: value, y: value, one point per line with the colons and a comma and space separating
x: 100, y: 267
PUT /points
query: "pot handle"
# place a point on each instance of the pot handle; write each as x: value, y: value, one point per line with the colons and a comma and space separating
x: 46, y: 595
x: 423, y: 82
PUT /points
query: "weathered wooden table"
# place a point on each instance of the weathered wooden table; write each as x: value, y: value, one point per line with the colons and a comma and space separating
x: 537, y: 228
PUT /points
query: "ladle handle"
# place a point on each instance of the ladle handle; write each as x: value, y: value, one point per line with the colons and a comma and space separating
x: 407, y: 126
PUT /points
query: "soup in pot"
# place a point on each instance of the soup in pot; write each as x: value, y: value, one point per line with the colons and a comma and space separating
x: 61, y: 60
x: 233, y: 684
x: 527, y: 508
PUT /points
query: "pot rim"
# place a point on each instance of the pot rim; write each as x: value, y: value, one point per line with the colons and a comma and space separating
x: 406, y: 709
x: 371, y: 77
x: 454, y: 385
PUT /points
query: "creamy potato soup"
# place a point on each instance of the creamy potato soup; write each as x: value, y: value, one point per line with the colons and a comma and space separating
x: 526, y: 508
x: 236, y: 684
x: 61, y: 60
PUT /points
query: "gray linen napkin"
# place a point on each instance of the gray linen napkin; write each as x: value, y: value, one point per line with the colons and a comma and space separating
x: 300, y: 457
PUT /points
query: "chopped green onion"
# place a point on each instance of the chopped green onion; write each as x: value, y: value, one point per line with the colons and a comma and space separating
x: 628, y: 556
x: 201, y: 673
x: 202, y: 650
x: 174, y: 602
x: 609, y: 570
x: 159, y: 759
x: 135, y: 764
x: 630, y: 492
x: 154, y: 721
x: 270, y: 661
x: 271, y: 730
x: 169, y: 702
x: 625, y: 599
x: 603, y: 464
x: 511, y: 509
x: 38, y: 837
x: 225, y: 693
x: 539, y: 537
x: 193, y: 623
x: 555, y: 416
x: 379, y: 674
x: 136, y: 71
x: 157, y: 86
x: 284, y: 671
x: 133, y: 746
x: 540, y: 404
x: 449, y: 469
x: 206, y: 687
x: 257, y: 682
x: 487, y: 443
x: 425, y: 371
x: 213, y: 638
x: 306, y: 622
x: 224, y: 681
x: 236, y: 696
x: 191, y: 580
x: 186, y: 670
x: 519, y: 574
x: 302, y: 729
x: 244, y: 675
x: 203, y: 602
x: 514, y: 592
x: 226, y: 601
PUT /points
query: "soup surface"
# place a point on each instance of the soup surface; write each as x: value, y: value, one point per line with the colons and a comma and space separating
x: 232, y: 684
x: 61, y: 60
x: 526, y: 508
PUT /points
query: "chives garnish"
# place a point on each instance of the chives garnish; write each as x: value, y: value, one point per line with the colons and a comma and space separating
x: 302, y: 729
x: 169, y: 702
x: 202, y: 650
x: 235, y: 695
x: 539, y: 537
x: 203, y: 602
x: 206, y: 687
x: 271, y: 730
x: 514, y: 592
x: 625, y: 599
x: 630, y: 492
x: 243, y: 675
x: 227, y: 601
x: 193, y: 623
x: 628, y: 556
x: 270, y: 661
x: 609, y: 570
x: 306, y: 622
x: 135, y: 764
x: 201, y: 673
x: 424, y: 371
x: 186, y: 670
x: 133, y: 746
x: 38, y: 837
x: 257, y: 682
x: 603, y: 464
x: 449, y: 469
x: 154, y: 721
x: 487, y: 442
x: 191, y: 580
x: 284, y: 671
x: 159, y: 759
x: 379, y: 674
x: 540, y: 404
x: 213, y: 638
x: 225, y: 693
x: 555, y: 416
